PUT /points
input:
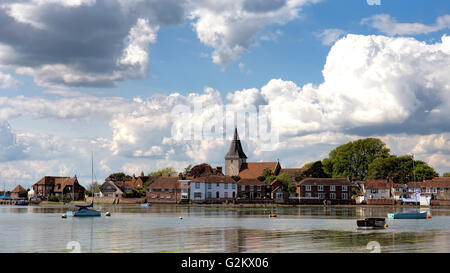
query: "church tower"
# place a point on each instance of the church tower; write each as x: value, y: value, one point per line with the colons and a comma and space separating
x: 235, y: 156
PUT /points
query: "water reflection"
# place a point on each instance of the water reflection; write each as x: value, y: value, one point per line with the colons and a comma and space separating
x: 132, y: 228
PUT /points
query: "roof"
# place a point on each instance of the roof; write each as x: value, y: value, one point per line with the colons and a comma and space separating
x: 19, y: 189
x: 255, y: 169
x: 378, y: 184
x: 293, y: 171
x: 215, y: 178
x: 235, y: 151
x: 250, y: 182
x: 325, y: 181
x: 437, y: 182
x: 64, y: 181
x: 116, y: 188
x: 411, y: 184
x: 397, y: 185
x: 165, y: 182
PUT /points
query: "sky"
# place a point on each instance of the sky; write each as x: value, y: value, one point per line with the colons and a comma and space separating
x: 105, y: 77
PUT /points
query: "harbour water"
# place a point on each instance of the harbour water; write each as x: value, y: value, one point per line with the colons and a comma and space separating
x: 132, y: 228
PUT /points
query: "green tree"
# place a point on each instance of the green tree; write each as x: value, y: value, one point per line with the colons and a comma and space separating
x: 401, y: 169
x: 186, y: 171
x: 169, y: 171
x: 316, y: 170
x: 353, y: 159
x: 114, y: 177
x: 446, y: 174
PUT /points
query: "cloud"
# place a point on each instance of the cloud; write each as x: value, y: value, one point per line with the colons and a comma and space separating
x: 7, y: 81
x: 82, y: 43
x: 231, y: 27
x: 10, y: 149
x: 388, y: 25
x: 329, y: 36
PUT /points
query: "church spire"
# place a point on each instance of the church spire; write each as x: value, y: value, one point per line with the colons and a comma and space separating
x: 235, y: 151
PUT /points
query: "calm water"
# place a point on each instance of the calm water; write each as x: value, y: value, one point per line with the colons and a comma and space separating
x: 217, y: 229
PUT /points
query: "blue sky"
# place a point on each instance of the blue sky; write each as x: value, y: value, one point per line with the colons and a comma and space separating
x: 86, y: 75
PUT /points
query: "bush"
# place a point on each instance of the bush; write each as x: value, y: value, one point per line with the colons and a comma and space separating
x: 53, y: 198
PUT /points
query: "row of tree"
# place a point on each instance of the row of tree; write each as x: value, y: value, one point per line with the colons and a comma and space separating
x: 369, y: 158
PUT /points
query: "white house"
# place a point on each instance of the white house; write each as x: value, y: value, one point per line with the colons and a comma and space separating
x: 212, y: 188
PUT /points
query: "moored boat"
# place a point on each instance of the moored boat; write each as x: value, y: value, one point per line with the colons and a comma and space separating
x: 409, y: 215
x: 371, y: 223
x: 146, y: 204
x: 22, y: 203
x: 83, y: 210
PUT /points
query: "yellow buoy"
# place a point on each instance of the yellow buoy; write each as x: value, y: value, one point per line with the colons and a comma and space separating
x: 63, y: 215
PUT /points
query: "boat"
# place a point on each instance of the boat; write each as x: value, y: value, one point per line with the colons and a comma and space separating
x: 146, y: 204
x: 415, y: 199
x: 83, y: 210
x: 372, y: 223
x: 21, y: 203
x: 409, y: 215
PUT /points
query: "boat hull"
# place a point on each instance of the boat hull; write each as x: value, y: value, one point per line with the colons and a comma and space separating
x: 408, y: 215
x: 146, y: 204
x: 89, y: 213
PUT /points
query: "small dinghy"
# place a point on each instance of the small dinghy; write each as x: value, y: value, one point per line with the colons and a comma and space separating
x: 21, y: 203
x: 371, y: 223
x: 83, y: 211
x: 409, y: 215
x: 146, y: 204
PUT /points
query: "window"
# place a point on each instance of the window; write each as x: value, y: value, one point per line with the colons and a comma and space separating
x: 233, y: 186
x: 226, y: 194
x: 184, y: 190
x: 434, y: 190
x: 197, y: 195
x: 162, y: 190
x: 308, y: 187
x: 308, y: 194
x: 374, y: 191
x: 209, y: 195
x: 321, y: 195
x: 149, y: 190
x: 252, y: 188
x: 332, y: 195
x: 344, y: 188
x: 153, y: 195
x: 170, y: 190
x: 209, y: 186
x: 226, y: 186
x: 243, y: 188
x: 217, y: 185
x: 258, y: 188
x: 168, y: 196
x: 320, y: 188
x: 428, y: 190
x: 197, y: 185
x: 332, y: 188
x: 345, y: 196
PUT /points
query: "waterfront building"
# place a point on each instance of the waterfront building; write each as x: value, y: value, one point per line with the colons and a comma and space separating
x: 438, y: 189
x: 253, y: 189
x: 212, y: 188
x: 331, y: 190
x: 168, y: 189
x: 19, y: 192
x: 379, y: 192
x: 59, y: 186
x: 110, y: 189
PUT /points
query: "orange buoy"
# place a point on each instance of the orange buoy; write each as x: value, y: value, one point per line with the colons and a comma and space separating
x: 273, y: 215
x: 428, y: 216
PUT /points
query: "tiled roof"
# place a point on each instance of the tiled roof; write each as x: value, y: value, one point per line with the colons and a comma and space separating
x: 165, y: 182
x: 214, y: 179
x: 255, y: 169
x: 325, y: 181
x: 18, y: 189
x: 293, y: 171
x: 63, y: 181
x: 250, y: 182
x: 377, y: 184
x: 437, y: 182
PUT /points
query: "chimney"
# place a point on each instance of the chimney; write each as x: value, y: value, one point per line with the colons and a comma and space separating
x: 219, y: 169
x: 142, y: 173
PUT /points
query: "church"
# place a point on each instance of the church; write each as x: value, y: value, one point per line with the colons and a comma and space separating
x: 236, y: 162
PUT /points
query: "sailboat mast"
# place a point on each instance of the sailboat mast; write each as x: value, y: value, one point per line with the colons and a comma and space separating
x: 92, y: 175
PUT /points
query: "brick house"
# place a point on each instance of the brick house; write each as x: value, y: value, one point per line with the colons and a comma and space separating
x: 253, y: 189
x: 110, y: 189
x: 19, y: 192
x: 379, y: 192
x: 169, y: 189
x: 439, y: 190
x: 318, y: 190
x: 59, y: 186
